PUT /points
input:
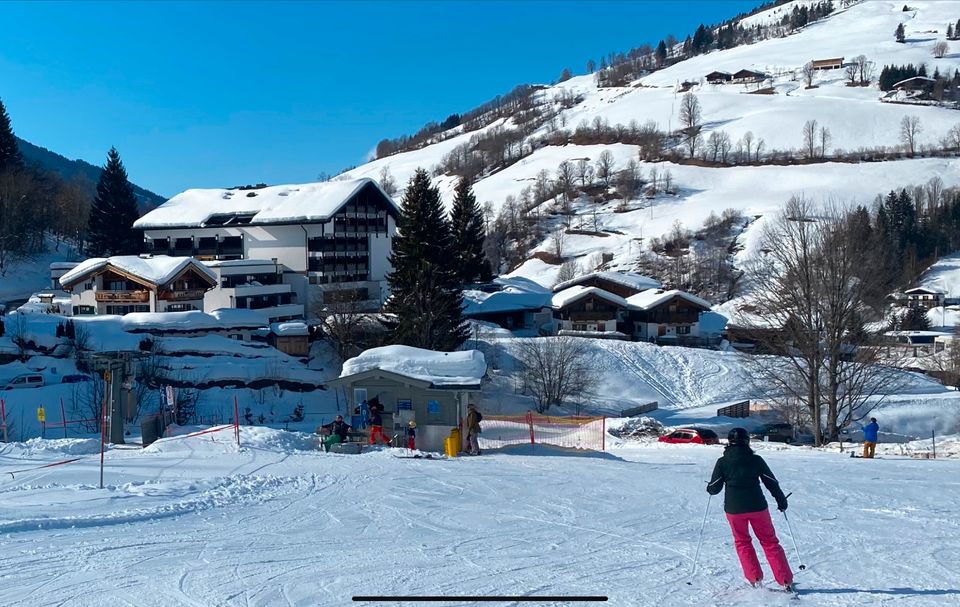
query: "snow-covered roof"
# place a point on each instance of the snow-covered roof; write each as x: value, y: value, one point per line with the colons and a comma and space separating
x: 918, y: 79
x: 439, y: 368
x: 516, y: 293
x: 922, y: 291
x: 64, y: 265
x: 577, y: 292
x: 157, y: 269
x: 626, y: 279
x: 295, y: 203
x: 223, y: 319
x: 289, y: 329
x: 652, y: 298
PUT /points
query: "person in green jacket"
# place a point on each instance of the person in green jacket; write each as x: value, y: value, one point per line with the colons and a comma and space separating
x: 741, y: 471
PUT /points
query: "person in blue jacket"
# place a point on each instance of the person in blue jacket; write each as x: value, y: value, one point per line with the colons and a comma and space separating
x: 870, y: 437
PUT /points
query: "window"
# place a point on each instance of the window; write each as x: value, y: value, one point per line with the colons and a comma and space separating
x: 84, y: 310
x: 87, y: 286
x: 180, y: 307
x: 683, y: 330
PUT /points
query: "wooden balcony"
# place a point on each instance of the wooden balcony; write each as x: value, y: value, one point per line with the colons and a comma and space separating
x: 184, y: 295
x: 140, y: 296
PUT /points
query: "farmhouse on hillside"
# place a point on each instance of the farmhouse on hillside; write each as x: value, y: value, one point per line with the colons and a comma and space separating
x: 747, y: 76
x: 827, y: 64
x: 922, y: 297
x: 718, y: 77
x: 129, y: 283
x: 430, y: 388
x: 620, y: 305
x: 329, y: 236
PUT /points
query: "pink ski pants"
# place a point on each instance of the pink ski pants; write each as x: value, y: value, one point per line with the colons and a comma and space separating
x: 763, y: 529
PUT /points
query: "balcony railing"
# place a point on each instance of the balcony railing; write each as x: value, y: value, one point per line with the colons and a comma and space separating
x: 182, y: 295
x: 123, y: 296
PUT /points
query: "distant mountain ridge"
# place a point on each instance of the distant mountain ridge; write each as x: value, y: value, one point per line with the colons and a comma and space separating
x: 87, y: 173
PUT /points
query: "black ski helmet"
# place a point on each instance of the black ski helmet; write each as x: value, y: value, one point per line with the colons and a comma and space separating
x: 738, y: 436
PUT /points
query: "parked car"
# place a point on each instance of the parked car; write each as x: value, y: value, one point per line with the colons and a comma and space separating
x: 25, y: 380
x: 700, y: 436
x: 75, y: 378
x: 780, y: 433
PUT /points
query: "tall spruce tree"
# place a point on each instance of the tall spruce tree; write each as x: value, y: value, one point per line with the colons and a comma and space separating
x: 114, y: 209
x: 10, y: 157
x: 466, y: 222
x: 425, y: 291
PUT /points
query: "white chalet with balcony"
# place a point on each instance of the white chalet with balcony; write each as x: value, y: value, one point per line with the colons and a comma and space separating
x: 335, y: 235
x: 128, y: 283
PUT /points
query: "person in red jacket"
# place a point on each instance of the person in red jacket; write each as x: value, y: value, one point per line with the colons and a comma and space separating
x: 376, y: 422
x: 412, y: 435
x: 742, y: 471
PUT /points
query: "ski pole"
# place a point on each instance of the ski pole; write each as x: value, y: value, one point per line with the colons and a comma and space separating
x: 696, y: 557
x: 794, y: 539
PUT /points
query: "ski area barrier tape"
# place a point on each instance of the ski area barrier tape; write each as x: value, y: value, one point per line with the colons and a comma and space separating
x: 60, y: 463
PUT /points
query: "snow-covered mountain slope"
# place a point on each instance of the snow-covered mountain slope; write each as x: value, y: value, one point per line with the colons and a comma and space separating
x: 855, y: 116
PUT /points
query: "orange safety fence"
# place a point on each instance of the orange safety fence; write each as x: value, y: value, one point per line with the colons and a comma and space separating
x: 575, y: 432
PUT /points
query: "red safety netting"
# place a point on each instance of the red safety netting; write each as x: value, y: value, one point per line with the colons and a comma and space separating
x: 571, y: 431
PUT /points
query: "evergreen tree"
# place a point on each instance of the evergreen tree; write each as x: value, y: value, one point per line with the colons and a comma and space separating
x: 466, y: 221
x: 425, y: 294
x: 949, y: 31
x: 661, y: 53
x: 9, y: 150
x: 900, y: 33
x: 114, y: 209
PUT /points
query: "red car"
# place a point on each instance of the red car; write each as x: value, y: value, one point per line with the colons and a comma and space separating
x: 700, y: 436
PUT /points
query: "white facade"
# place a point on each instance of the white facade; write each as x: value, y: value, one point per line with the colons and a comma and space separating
x: 256, y: 284
x: 335, y: 236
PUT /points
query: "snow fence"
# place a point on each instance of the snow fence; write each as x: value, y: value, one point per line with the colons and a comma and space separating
x: 574, y: 432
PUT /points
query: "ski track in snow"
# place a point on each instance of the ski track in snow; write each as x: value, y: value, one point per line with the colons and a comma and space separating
x: 269, y: 526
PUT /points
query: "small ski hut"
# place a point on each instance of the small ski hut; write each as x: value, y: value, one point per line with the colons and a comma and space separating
x: 431, y: 388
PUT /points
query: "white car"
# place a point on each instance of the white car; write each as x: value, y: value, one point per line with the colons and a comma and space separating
x: 26, y: 380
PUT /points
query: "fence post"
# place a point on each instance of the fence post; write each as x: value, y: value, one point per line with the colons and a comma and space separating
x: 103, y: 434
x: 3, y: 418
x: 63, y: 418
x: 603, y: 436
x: 533, y: 440
x: 933, y: 438
x: 236, y: 419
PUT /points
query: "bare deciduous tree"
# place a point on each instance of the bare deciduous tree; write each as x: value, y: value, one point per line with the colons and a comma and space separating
x: 605, y: 167
x: 554, y: 369
x: 584, y: 172
x: 810, y: 139
x: 824, y: 141
x: 808, y: 74
x: 341, y: 316
x: 940, y: 48
x: 690, y: 117
x: 568, y: 271
x: 909, y: 130
x: 810, y: 309
x: 387, y: 183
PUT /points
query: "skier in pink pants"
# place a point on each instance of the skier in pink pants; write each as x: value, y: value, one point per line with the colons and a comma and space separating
x: 742, y: 471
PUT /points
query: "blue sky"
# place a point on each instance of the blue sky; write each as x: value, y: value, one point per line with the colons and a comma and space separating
x: 212, y: 94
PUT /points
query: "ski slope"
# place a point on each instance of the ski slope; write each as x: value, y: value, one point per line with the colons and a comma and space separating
x: 855, y: 116
x: 196, y: 521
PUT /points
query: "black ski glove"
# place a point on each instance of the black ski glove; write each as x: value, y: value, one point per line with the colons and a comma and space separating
x: 782, y: 504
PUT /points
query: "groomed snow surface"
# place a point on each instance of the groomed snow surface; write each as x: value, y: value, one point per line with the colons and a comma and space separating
x: 197, y: 521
